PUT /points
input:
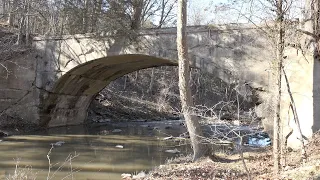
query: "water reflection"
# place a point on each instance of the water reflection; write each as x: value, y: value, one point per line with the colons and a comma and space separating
x: 91, y: 152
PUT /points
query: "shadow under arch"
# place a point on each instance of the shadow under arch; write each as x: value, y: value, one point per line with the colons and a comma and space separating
x: 68, y: 101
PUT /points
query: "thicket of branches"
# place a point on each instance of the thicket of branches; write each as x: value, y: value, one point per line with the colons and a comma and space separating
x: 156, y: 89
x: 46, y: 17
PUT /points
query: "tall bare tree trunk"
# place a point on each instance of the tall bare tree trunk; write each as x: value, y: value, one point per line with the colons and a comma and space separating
x: 96, y: 10
x: 28, y: 29
x: 21, y: 30
x: 3, y: 9
x: 137, y: 12
x: 85, y: 17
x: 312, y: 27
x: 277, y: 119
x: 192, y: 121
x: 151, y: 81
x: 12, y: 9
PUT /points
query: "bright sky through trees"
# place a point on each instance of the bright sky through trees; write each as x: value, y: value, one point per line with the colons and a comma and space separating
x: 237, y: 11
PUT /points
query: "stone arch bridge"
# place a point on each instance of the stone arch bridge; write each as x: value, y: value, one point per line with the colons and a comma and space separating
x: 54, y: 83
x: 72, y: 93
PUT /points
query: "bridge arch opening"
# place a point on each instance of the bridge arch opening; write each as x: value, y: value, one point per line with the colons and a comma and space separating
x: 67, y: 103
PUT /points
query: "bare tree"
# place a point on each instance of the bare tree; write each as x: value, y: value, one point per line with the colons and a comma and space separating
x: 277, y: 119
x: 82, y: 16
x: 198, y: 14
x: 3, y: 10
x: 192, y: 121
x: 276, y: 16
x: 311, y: 27
x: 166, y: 7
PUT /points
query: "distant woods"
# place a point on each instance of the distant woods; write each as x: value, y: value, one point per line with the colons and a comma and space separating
x: 47, y: 17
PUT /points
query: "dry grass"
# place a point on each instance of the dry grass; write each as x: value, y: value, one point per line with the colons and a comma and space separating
x: 27, y: 173
x: 22, y: 173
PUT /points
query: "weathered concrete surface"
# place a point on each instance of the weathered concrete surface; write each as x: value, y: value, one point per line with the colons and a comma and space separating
x: 299, y: 70
x: 18, y: 96
x: 68, y: 100
x: 316, y: 97
x: 231, y: 53
x: 64, y: 74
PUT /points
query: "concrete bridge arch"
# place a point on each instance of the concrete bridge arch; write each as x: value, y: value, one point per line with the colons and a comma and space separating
x: 37, y: 87
x: 70, y: 97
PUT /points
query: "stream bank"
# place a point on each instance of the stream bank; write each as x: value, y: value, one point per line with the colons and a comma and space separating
x: 258, y: 161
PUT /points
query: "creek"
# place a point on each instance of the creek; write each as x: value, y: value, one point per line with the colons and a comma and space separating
x: 95, y: 152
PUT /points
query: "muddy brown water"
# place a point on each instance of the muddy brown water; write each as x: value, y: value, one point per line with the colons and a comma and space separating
x: 97, y: 152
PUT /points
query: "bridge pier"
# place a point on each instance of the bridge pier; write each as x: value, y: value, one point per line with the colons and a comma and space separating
x: 64, y: 110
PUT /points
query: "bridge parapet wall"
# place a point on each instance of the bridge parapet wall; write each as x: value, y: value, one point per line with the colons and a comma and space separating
x: 229, y: 52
